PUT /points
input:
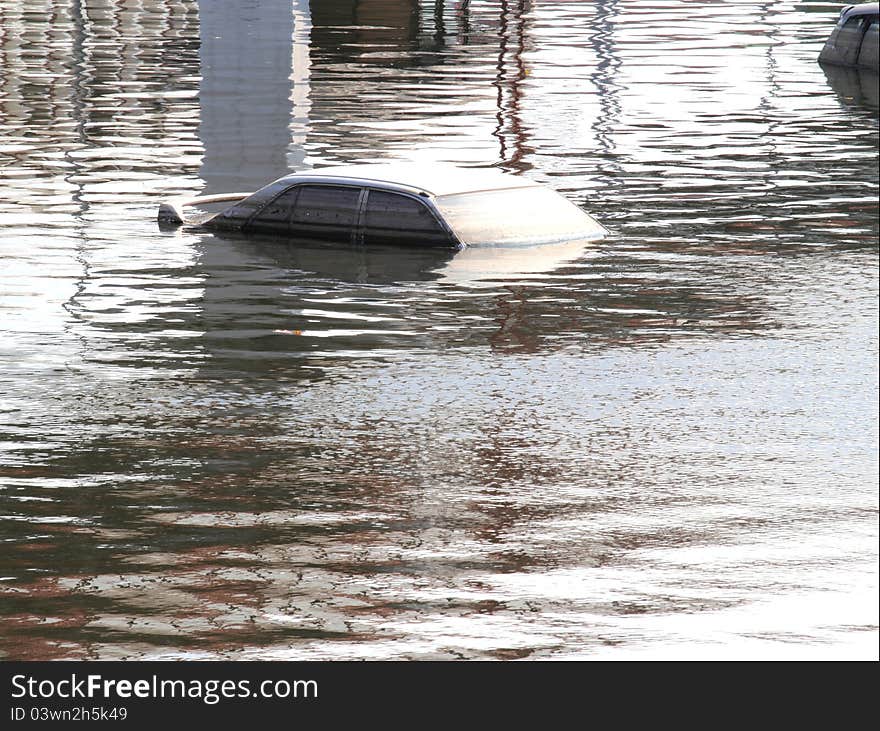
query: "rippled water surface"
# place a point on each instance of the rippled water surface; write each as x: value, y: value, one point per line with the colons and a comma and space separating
x: 663, y: 445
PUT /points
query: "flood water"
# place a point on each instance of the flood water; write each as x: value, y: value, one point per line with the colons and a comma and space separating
x: 663, y: 445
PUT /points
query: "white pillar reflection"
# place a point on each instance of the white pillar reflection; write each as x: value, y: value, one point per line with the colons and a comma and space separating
x: 300, y: 98
x: 254, y: 94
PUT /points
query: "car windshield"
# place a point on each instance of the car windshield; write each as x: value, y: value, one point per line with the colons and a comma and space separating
x: 516, y: 216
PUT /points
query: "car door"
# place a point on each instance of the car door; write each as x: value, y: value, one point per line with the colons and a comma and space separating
x: 869, y: 53
x: 846, y: 41
x: 325, y: 212
x: 396, y: 218
x: 275, y: 216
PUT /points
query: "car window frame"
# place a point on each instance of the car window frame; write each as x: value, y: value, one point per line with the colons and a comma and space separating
x: 358, y: 228
x: 421, y: 199
x: 298, y: 186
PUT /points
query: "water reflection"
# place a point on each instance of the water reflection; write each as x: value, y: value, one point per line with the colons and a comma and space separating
x: 247, y: 135
x: 342, y: 264
x: 370, y: 300
x: 857, y: 87
x: 214, y: 446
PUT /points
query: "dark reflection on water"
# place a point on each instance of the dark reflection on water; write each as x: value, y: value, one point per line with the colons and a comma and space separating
x: 855, y: 87
x: 214, y: 446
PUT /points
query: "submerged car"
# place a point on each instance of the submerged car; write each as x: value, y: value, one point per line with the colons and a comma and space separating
x: 430, y: 205
x: 855, y: 40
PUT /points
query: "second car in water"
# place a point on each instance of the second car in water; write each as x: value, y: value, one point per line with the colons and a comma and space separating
x: 855, y: 40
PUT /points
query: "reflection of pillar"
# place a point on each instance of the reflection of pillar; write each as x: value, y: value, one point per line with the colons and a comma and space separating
x: 508, y: 83
x: 513, y: 331
x: 249, y: 86
x: 300, y: 99
x: 439, y: 36
x: 605, y: 80
x: 463, y: 15
x: 343, y: 28
x: 78, y: 93
x: 254, y: 100
x: 768, y: 101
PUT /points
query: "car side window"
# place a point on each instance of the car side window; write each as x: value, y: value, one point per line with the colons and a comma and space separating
x: 391, y: 218
x: 325, y: 212
x: 857, y: 23
x: 276, y: 215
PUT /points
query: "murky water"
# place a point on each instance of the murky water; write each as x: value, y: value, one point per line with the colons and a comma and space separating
x: 664, y: 445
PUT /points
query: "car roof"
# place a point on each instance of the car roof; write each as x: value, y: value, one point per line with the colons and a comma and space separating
x: 436, y: 179
x: 863, y: 9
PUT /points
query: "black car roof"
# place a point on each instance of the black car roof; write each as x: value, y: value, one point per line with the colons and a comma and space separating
x: 862, y: 9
